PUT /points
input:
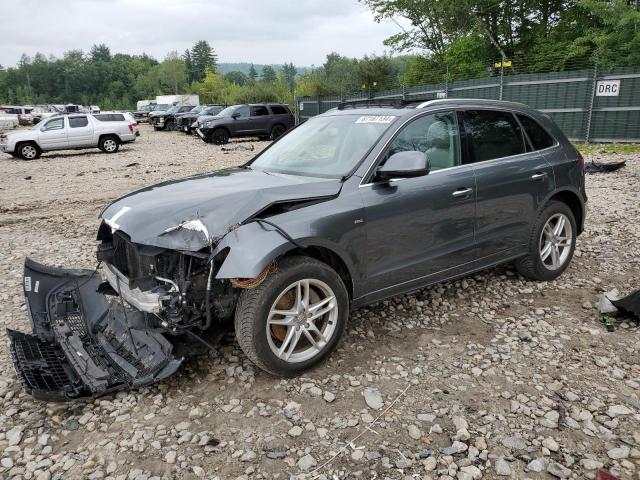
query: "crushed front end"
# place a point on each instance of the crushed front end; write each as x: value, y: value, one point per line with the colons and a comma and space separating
x: 91, y: 336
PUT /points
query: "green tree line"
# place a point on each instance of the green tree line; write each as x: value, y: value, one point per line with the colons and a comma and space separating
x: 437, y: 40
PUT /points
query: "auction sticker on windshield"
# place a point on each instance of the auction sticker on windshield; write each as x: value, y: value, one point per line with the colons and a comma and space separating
x: 376, y: 119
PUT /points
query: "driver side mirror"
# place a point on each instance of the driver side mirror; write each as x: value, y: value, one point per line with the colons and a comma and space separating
x: 235, y: 115
x: 407, y: 164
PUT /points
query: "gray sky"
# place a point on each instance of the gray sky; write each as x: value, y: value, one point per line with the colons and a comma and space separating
x: 258, y: 31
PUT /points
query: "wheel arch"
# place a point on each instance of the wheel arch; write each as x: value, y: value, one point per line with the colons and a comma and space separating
x: 574, y: 202
x: 103, y: 136
x: 20, y: 143
x: 250, y: 248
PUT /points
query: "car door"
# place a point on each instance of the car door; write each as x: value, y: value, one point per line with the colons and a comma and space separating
x: 53, y: 134
x: 511, y: 182
x: 260, y: 119
x: 420, y: 229
x: 80, y: 132
x: 241, y: 124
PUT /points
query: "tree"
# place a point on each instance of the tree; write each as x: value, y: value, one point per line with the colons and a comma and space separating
x: 188, y: 65
x: 238, y: 78
x: 100, y: 53
x: 203, y: 57
x: 268, y: 74
x: 289, y: 73
x: 172, y: 73
x: 252, y: 73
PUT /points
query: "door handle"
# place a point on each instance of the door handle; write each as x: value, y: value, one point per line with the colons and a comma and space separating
x: 462, y: 192
x: 539, y: 176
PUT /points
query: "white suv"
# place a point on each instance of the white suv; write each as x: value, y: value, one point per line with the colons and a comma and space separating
x: 77, y: 131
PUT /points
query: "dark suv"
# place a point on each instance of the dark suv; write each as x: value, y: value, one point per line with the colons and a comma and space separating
x: 165, y: 120
x: 265, y: 121
x: 185, y: 121
x: 354, y: 206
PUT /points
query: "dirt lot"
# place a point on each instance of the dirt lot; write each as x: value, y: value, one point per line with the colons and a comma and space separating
x: 491, y: 376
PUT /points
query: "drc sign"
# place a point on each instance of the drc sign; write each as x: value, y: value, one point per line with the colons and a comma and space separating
x: 608, y: 88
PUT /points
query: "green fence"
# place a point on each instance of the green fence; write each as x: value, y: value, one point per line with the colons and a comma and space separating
x: 595, y: 104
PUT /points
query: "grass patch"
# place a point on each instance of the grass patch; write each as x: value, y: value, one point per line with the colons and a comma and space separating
x: 620, y: 148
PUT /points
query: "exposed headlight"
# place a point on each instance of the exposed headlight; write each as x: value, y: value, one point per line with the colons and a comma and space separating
x: 161, y: 119
x: 209, y: 124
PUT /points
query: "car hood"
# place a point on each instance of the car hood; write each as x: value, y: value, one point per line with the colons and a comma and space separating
x: 26, y: 134
x: 209, y: 118
x: 193, y: 213
x: 158, y: 113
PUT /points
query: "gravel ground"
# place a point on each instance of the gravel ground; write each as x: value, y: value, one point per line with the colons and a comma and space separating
x: 490, y: 376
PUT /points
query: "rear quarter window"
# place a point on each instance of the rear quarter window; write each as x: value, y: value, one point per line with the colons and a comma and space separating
x: 109, y: 117
x: 538, y: 136
x: 493, y: 134
x: 279, y: 110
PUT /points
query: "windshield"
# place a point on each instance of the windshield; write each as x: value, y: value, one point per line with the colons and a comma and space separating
x: 146, y: 108
x: 173, y: 109
x: 213, y: 111
x: 324, y: 146
x: 160, y: 107
x: 198, y: 109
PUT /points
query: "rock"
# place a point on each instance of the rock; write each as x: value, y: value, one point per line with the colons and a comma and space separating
x: 536, y: 465
x: 7, y: 462
x: 373, y: 398
x: 329, y: 397
x: 617, y: 410
x: 590, y: 464
x: 503, y: 468
x: 277, y: 453
x: 551, y: 444
x: 357, y: 454
x: 195, y: 413
x: 604, y: 302
x: 619, y: 453
x: 557, y: 470
x: 248, y: 456
x: 514, y: 442
x: 295, y: 431
x: 307, y: 462
x: 14, y: 436
x: 414, y: 432
x: 456, y: 447
x: 430, y: 464
x: 472, y: 472
x: 198, y: 471
x: 170, y: 457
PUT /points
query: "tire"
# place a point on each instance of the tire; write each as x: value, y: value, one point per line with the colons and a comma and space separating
x: 219, y: 136
x: 158, y: 129
x: 264, y: 138
x: 169, y: 125
x: 28, y: 151
x: 109, y: 144
x: 260, y: 340
x: 277, y: 131
x: 549, y: 252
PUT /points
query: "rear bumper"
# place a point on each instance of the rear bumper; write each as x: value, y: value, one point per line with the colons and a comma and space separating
x: 82, y: 344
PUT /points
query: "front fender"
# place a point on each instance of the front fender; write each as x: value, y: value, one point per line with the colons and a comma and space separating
x: 251, y: 248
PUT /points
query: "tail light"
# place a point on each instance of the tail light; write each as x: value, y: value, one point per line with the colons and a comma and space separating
x: 132, y: 125
x: 581, y: 163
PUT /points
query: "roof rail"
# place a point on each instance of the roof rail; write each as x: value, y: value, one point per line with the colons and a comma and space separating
x: 373, y: 102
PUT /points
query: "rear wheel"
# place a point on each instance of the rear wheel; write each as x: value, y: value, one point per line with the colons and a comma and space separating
x: 219, y: 136
x: 551, y: 245
x: 277, y: 131
x: 28, y: 151
x: 294, y: 319
x: 109, y: 144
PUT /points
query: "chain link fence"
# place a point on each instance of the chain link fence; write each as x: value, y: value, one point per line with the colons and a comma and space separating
x: 590, y: 104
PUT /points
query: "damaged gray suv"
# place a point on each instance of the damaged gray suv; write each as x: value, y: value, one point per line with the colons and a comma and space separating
x: 359, y: 204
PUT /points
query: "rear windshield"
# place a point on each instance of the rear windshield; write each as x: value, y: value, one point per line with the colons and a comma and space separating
x: 109, y: 117
x: 279, y: 109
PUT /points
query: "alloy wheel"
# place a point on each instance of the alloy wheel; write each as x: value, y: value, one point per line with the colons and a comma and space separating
x: 29, y: 152
x: 302, y: 320
x: 110, y: 145
x: 555, y: 241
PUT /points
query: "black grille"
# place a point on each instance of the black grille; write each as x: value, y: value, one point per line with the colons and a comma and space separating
x: 125, y: 255
x: 38, y: 364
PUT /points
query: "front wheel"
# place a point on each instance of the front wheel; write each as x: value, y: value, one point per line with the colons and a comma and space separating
x: 219, y: 136
x: 551, y: 245
x: 28, y: 151
x: 109, y: 144
x: 294, y: 319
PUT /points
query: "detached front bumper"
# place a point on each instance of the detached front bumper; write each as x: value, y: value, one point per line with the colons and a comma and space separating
x: 81, y: 343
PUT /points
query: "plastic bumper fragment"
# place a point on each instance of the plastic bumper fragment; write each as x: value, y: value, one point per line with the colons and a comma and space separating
x: 82, y: 344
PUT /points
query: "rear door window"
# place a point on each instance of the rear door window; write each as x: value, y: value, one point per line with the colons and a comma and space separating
x: 76, y: 122
x: 259, y: 111
x: 538, y: 136
x: 493, y: 134
x: 109, y: 117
